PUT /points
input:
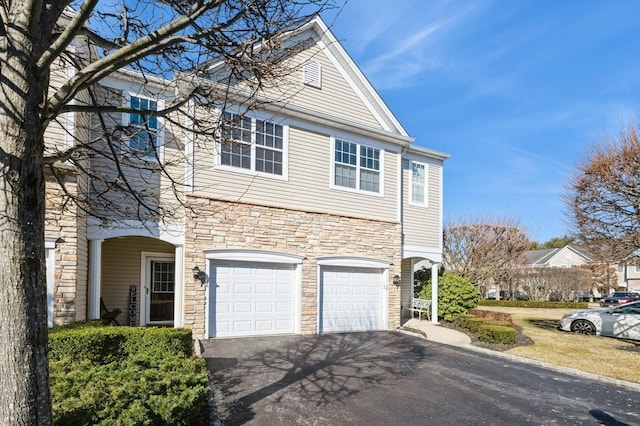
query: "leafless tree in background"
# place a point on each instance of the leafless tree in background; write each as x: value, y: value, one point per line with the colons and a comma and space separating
x: 484, y: 250
x: 551, y: 283
x: 163, y: 41
x: 603, y: 197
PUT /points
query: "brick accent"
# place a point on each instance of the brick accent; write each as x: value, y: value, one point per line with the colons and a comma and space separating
x: 220, y: 224
x: 65, y: 221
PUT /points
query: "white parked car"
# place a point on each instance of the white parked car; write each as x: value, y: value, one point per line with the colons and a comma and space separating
x: 622, y: 321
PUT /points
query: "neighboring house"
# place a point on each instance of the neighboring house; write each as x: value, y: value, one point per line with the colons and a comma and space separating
x: 564, y: 257
x: 313, y: 220
x: 628, y: 277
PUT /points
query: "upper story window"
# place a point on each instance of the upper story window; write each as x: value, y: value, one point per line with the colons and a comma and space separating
x: 144, y: 128
x: 252, y: 144
x: 418, y: 184
x: 356, y: 166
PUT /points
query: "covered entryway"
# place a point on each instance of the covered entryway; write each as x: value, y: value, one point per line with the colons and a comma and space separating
x: 351, y: 299
x: 251, y: 299
x: 252, y: 293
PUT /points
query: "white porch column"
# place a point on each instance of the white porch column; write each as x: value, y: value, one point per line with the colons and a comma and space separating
x: 434, y: 292
x: 95, y: 278
x: 178, y: 302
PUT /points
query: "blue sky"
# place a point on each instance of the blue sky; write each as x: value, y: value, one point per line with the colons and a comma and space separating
x: 516, y: 91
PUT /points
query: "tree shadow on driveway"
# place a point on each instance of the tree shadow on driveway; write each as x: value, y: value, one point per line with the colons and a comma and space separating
x: 304, y: 373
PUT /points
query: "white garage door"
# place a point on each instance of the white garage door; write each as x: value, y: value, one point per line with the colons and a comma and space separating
x: 251, y: 299
x: 351, y: 299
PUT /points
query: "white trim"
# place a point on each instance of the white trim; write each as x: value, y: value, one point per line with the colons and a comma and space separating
x: 50, y: 260
x: 367, y: 99
x: 178, y: 310
x: 312, y: 73
x: 357, y: 190
x: 95, y: 278
x: 258, y: 256
x: 170, y: 233
x: 145, y: 258
x: 399, y: 191
x: 253, y: 116
x: 433, y: 254
x: 214, y: 256
x: 425, y: 194
x: 354, y: 262
x: 159, y: 148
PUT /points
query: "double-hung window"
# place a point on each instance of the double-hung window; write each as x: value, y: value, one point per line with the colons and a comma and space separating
x: 144, y: 129
x: 252, y: 144
x: 418, y: 184
x: 356, y: 166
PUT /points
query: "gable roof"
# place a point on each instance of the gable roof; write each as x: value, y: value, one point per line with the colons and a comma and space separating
x: 354, y: 76
x: 544, y: 257
x: 389, y: 129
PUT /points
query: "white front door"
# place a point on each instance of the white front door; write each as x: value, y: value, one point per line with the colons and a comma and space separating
x: 251, y: 299
x: 351, y: 299
x: 159, y: 290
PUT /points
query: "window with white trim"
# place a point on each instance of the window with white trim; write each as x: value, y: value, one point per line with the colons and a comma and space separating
x: 356, y: 166
x: 418, y: 184
x: 144, y: 128
x: 252, y: 144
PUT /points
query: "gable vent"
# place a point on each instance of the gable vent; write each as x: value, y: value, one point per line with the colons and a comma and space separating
x: 312, y: 73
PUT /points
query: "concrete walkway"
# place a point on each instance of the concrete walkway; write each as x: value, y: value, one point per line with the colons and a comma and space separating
x: 437, y: 333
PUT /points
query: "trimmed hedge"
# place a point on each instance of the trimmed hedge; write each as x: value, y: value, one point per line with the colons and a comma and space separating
x: 126, y: 375
x: 530, y: 304
x: 496, y: 316
x: 489, y: 330
x: 491, y: 333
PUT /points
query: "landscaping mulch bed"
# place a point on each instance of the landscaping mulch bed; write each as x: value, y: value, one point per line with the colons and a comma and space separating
x: 521, y: 339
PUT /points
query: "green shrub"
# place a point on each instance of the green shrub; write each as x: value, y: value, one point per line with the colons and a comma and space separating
x: 126, y: 375
x: 492, y: 333
x: 456, y: 295
x: 461, y: 320
x: 531, y: 304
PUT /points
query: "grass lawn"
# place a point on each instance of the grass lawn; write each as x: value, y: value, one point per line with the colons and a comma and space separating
x: 605, y: 356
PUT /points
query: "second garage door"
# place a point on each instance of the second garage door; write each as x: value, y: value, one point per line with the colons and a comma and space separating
x: 351, y: 299
x: 251, y: 299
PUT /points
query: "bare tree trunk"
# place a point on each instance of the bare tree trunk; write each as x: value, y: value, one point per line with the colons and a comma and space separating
x: 24, y: 397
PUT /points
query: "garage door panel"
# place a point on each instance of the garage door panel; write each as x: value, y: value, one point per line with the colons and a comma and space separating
x: 251, y: 299
x: 350, y: 299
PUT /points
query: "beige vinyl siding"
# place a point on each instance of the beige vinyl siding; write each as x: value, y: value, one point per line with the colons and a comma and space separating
x: 156, y: 187
x: 566, y: 258
x: 422, y: 225
x: 308, y: 184
x: 406, y: 293
x: 121, y: 259
x: 336, y: 97
x: 54, y: 135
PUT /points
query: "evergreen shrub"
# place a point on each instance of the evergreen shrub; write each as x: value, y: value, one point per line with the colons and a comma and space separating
x: 495, y: 333
x: 126, y: 375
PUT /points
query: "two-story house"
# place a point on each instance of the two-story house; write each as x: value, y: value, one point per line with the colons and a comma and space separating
x: 307, y: 213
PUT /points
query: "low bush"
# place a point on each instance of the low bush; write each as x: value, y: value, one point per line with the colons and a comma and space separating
x: 126, y: 375
x: 474, y: 323
x: 502, y: 334
x: 530, y: 304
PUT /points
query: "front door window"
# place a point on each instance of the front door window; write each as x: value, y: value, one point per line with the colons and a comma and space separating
x: 162, y: 293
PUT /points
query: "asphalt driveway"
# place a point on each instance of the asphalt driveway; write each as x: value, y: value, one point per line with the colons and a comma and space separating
x: 388, y: 378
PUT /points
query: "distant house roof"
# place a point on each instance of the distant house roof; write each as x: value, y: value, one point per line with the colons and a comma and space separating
x: 543, y: 257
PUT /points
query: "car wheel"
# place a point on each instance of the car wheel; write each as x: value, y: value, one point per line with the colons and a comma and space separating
x: 583, y: 327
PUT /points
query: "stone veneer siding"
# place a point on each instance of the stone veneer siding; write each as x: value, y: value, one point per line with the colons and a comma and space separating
x: 220, y: 224
x: 63, y: 220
